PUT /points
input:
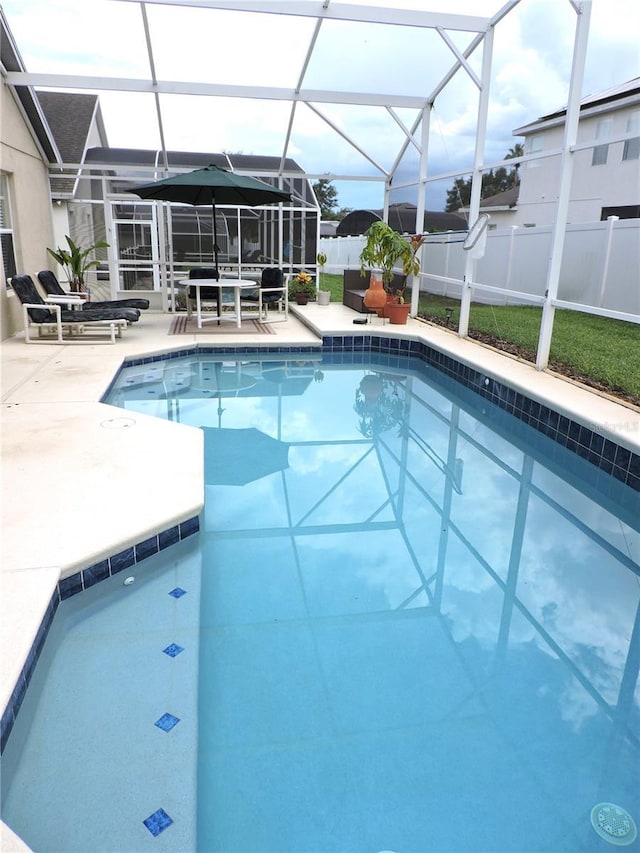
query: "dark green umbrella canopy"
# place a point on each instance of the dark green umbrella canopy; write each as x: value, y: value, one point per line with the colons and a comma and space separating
x: 212, y: 185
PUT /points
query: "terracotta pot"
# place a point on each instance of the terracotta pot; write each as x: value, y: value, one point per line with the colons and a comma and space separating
x: 397, y: 313
x: 382, y: 312
x: 376, y: 296
x: 302, y: 298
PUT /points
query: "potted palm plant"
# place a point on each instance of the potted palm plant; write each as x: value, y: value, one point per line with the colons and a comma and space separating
x: 302, y: 288
x: 384, y: 250
x: 75, y: 262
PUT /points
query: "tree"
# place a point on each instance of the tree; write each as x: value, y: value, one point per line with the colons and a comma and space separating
x: 327, y: 198
x: 516, y: 151
x: 493, y: 182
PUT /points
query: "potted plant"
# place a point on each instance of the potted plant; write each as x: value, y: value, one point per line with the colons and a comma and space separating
x: 75, y: 262
x: 384, y: 250
x: 302, y: 288
x: 324, y: 296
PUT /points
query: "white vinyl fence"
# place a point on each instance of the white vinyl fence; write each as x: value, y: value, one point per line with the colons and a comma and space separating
x: 600, y: 265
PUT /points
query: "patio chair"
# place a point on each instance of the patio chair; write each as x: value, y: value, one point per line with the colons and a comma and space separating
x: 207, y: 294
x: 53, y: 287
x: 66, y: 325
x: 273, y: 290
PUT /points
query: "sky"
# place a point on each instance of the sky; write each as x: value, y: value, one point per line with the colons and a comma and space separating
x: 531, y: 69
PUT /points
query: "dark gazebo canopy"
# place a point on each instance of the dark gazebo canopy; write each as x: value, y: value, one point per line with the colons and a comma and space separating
x: 402, y: 217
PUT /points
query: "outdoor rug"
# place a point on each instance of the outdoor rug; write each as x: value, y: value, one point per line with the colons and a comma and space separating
x: 183, y: 325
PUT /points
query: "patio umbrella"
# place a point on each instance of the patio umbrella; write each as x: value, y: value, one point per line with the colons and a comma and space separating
x: 235, y: 457
x: 212, y: 185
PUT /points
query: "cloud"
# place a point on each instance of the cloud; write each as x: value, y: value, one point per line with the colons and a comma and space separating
x: 532, y: 58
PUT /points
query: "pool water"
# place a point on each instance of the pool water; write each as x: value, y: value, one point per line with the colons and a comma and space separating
x: 409, y: 623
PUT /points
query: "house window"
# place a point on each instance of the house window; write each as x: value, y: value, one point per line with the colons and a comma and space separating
x: 601, y: 152
x: 627, y: 211
x: 631, y: 150
x: 535, y: 146
x: 6, y: 231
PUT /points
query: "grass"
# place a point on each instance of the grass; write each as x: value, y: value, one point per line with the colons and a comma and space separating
x: 598, y: 351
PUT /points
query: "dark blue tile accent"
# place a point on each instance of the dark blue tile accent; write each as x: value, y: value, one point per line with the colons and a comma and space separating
x: 609, y: 450
x: 18, y: 694
x: 97, y: 572
x: 582, y: 451
x: 189, y: 527
x: 70, y: 586
x: 6, y: 726
x: 173, y: 650
x: 146, y: 548
x: 597, y: 443
x: 158, y: 822
x: 619, y: 473
x: 571, y: 445
x: 167, y: 722
x: 605, y: 465
x: 563, y: 429
x: 41, y: 636
x: 168, y: 537
x: 623, y: 458
x: 121, y: 561
x: 178, y: 592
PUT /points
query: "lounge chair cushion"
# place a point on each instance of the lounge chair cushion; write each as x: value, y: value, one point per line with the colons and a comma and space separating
x: 28, y: 293
x: 53, y: 287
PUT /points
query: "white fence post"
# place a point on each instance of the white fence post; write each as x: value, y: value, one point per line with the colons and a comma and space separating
x: 611, y: 220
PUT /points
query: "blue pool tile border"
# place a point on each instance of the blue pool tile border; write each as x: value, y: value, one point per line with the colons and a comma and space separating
x: 586, y: 442
x: 77, y: 583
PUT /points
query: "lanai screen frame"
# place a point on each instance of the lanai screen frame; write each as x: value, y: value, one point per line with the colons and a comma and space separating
x: 483, y: 30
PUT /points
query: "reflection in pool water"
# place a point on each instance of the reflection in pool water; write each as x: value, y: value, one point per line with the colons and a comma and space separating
x: 408, y: 624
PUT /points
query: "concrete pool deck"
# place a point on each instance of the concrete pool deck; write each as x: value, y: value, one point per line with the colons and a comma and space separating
x: 80, y: 482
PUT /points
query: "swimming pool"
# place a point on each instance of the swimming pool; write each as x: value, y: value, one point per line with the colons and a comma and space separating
x: 416, y: 630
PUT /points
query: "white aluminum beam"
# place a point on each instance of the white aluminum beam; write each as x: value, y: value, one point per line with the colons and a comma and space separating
x: 338, y: 12
x: 174, y: 87
x: 477, y: 40
x: 409, y: 134
x: 154, y: 79
x: 476, y: 180
x: 598, y: 311
x: 460, y: 56
x: 422, y: 184
x: 346, y: 138
x: 305, y: 65
x: 564, y: 189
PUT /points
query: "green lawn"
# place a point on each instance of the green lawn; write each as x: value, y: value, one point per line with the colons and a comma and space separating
x: 600, y: 350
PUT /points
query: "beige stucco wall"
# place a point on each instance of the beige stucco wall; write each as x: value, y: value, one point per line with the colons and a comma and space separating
x: 30, y: 203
